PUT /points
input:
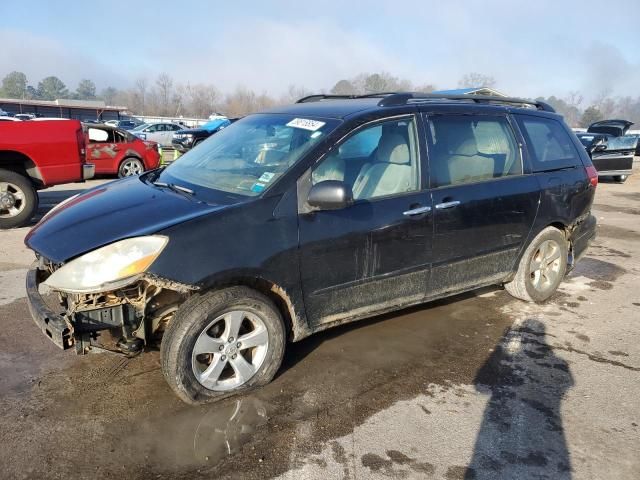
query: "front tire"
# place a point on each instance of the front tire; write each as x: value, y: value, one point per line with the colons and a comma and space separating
x: 222, y: 342
x: 18, y: 199
x: 541, y: 268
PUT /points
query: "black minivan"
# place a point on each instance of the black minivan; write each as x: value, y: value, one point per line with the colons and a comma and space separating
x: 295, y: 220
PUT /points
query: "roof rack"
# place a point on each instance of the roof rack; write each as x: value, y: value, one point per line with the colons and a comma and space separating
x: 406, y: 98
x: 389, y: 99
x: 322, y: 96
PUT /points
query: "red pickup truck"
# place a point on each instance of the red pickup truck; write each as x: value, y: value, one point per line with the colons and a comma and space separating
x: 36, y: 155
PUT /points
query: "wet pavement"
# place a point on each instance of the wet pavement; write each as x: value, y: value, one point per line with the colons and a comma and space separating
x: 475, y: 386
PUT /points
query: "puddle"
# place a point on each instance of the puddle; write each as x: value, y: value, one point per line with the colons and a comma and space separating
x: 328, y: 384
x: 201, y: 435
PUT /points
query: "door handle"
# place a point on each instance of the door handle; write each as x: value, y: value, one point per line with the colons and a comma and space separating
x: 444, y: 205
x: 416, y: 211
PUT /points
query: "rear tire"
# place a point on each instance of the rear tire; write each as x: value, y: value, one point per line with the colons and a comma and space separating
x: 541, y: 268
x: 200, y: 338
x: 130, y: 166
x: 621, y: 178
x: 18, y: 199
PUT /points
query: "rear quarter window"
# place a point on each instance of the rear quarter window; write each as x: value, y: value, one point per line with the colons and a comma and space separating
x: 549, y: 145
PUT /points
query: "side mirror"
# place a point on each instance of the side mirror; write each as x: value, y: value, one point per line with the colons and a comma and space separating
x: 330, y: 195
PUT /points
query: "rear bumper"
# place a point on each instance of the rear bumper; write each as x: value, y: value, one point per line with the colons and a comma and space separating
x: 582, y: 237
x: 614, y: 172
x: 88, y: 171
x: 52, y: 324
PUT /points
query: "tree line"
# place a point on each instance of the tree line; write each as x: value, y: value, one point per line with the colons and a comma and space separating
x: 163, y: 96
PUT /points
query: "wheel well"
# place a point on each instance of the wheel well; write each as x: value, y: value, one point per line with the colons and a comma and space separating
x: 20, y: 163
x: 567, y: 233
x: 560, y: 226
x: 273, y: 292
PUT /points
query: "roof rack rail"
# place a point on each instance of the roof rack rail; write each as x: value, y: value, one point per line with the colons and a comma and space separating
x: 323, y: 96
x: 406, y: 98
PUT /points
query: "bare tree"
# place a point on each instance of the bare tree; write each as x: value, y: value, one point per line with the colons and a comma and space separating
x: 164, y: 83
x: 426, y: 88
x: 294, y: 93
x: 476, y: 80
x: 344, y: 87
x: 203, y: 100
x: 141, y: 90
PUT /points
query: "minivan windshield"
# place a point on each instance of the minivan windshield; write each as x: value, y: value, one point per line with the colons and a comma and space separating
x: 250, y: 155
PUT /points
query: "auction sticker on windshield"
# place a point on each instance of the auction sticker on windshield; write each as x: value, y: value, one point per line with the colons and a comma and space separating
x: 306, y: 124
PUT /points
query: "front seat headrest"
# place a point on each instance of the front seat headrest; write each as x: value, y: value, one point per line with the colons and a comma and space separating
x: 393, y: 148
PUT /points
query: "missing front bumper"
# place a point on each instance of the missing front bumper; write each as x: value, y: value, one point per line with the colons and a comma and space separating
x: 52, y: 324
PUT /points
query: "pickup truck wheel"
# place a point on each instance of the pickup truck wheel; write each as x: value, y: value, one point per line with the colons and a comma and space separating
x: 542, y: 267
x: 621, y: 178
x: 18, y: 199
x: 130, y: 166
x: 221, y: 343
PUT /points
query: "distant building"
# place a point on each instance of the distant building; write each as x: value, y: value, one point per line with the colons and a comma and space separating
x: 64, y: 108
x: 472, y: 91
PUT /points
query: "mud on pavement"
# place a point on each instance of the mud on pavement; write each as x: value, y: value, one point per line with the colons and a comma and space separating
x: 477, y: 386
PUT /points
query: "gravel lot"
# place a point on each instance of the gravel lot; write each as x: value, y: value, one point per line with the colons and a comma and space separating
x: 478, y: 386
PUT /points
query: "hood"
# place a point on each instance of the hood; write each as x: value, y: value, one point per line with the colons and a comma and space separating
x: 110, y: 212
x: 190, y: 130
x: 612, y: 127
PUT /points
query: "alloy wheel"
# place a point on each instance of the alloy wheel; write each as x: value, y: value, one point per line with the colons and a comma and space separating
x: 12, y: 200
x: 131, y: 167
x: 230, y: 350
x: 545, y: 265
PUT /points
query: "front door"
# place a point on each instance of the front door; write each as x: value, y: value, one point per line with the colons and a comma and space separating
x: 484, y: 202
x: 373, y: 255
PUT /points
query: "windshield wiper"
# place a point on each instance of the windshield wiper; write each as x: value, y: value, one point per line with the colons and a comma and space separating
x: 175, y: 188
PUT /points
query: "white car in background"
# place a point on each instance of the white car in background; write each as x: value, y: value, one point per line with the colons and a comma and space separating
x: 161, y: 132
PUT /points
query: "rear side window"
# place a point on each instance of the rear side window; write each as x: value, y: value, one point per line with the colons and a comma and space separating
x: 549, y: 144
x: 471, y: 148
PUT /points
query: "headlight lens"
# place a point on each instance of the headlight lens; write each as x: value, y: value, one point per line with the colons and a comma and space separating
x: 108, y: 268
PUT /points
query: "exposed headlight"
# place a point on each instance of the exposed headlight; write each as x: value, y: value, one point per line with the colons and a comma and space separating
x: 109, y: 267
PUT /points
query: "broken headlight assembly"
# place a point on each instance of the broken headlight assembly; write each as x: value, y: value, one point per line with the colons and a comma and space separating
x: 108, y: 268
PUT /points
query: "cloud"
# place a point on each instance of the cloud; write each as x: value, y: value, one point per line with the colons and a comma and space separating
x: 270, y: 55
x: 39, y: 56
x: 537, y: 49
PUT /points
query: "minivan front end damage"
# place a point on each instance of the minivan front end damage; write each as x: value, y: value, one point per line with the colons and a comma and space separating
x: 121, y: 320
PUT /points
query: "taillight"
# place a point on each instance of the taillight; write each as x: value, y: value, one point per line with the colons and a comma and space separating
x: 81, y: 140
x: 592, y: 173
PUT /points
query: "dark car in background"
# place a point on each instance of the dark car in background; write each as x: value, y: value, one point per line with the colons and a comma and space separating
x: 308, y: 216
x: 185, y: 140
x: 611, y: 150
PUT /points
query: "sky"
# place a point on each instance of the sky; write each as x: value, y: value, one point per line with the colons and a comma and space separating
x: 532, y: 48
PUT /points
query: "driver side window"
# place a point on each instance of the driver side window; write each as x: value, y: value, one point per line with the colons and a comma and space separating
x: 376, y: 161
